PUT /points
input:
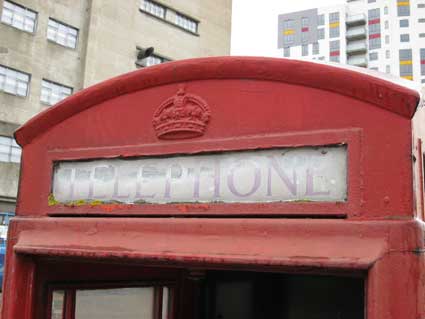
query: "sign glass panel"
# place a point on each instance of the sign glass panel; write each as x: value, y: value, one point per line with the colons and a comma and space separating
x: 258, y: 176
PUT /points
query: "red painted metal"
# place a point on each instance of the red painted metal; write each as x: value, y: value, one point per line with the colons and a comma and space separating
x: 253, y: 103
x: 374, y: 21
x: 374, y: 36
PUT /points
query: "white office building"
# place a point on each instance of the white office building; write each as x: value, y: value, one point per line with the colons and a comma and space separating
x: 383, y: 35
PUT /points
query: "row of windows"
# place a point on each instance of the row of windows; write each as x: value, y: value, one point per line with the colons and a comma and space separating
x: 406, y: 66
x: 304, y: 50
x: 10, y: 152
x: 17, y: 83
x: 375, y: 55
x: 25, y: 19
x: 289, y: 28
x: 402, y: 3
x: 404, y: 23
x: 160, y: 11
x: 374, y: 22
x: 334, y: 25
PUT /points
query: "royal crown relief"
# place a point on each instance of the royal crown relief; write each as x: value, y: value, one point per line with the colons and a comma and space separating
x: 181, y: 116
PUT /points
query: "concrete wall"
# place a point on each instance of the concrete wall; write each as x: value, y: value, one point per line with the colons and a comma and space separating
x: 34, y: 54
x: 115, y: 31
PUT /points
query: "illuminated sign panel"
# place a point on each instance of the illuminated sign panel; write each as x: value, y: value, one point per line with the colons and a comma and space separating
x: 286, y: 174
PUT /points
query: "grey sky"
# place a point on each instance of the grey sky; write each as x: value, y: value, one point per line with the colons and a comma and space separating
x: 254, y: 23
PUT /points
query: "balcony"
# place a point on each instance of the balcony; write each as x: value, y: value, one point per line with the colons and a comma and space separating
x: 357, y: 60
x: 355, y: 20
x: 356, y: 33
x: 356, y: 47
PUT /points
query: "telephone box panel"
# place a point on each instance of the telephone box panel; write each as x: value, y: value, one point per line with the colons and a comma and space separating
x: 222, y: 188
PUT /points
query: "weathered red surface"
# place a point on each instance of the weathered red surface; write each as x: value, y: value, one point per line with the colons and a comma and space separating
x: 352, y: 84
x: 253, y: 103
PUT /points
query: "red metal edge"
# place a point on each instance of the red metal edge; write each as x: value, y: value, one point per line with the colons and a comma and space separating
x: 382, y: 93
x: 350, y: 137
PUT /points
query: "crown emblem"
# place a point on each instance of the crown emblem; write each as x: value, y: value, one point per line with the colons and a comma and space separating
x: 181, y: 116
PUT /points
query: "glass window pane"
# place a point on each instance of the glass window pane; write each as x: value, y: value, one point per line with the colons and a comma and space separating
x: 4, y: 157
x: 123, y: 303
x: 58, y: 304
x: 165, y: 302
x: 5, y: 140
x: 4, y: 149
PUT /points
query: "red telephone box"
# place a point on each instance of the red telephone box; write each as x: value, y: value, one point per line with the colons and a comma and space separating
x: 222, y: 188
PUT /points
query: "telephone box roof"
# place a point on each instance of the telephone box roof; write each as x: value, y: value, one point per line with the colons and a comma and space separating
x: 396, y: 96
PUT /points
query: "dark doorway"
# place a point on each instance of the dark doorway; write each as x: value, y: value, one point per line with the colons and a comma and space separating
x: 251, y: 295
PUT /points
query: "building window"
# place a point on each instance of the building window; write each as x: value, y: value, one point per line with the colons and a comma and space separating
x: 403, y: 8
x: 374, y: 23
x: 371, y: 1
x: 13, y: 81
x: 304, y: 50
x: 321, y: 33
x: 404, y: 23
x: 422, y: 59
x: 19, y: 17
x: 374, y: 69
x: 334, y: 25
x: 387, y: 39
x: 373, y: 56
x: 334, y: 51
x: 154, y: 60
x: 144, y: 60
x: 62, y: 34
x: 388, y: 69
x: 404, y: 37
x: 385, y: 10
x: 387, y: 25
x: 288, y: 24
x: 422, y: 35
x: 374, y: 43
x: 52, y: 93
x: 387, y: 54
x: 304, y: 29
x: 422, y: 20
x: 186, y: 23
x: 321, y: 19
x: 287, y: 52
x: 406, y: 67
x: 421, y: 5
x: 334, y: 58
x: 154, y: 8
x: 316, y: 49
x: 10, y: 152
x: 334, y: 32
x: 288, y: 31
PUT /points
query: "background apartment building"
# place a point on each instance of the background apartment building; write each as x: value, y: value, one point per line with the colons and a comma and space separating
x: 383, y: 35
x: 52, y: 48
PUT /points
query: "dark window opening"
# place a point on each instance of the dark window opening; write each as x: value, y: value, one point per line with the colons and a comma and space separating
x: 237, y: 295
x: 214, y: 295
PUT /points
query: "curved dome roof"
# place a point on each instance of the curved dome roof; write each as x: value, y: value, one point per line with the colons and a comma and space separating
x: 381, y: 92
